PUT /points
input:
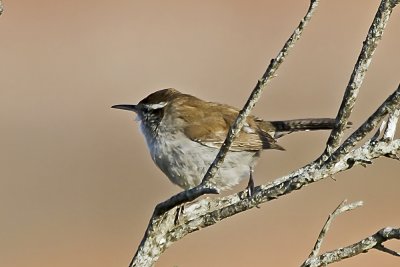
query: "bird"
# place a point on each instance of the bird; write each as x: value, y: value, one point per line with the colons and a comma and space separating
x: 184, y: 134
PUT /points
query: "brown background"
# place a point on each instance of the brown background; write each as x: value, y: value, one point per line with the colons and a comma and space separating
x: 77, y: 183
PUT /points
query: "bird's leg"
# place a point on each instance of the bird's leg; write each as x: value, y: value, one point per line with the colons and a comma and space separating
x: 250, y: 184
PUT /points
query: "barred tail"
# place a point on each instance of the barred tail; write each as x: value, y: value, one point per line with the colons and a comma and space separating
x: 303, y: 125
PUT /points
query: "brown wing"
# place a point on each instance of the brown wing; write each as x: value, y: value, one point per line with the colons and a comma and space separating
x: 209, y: 126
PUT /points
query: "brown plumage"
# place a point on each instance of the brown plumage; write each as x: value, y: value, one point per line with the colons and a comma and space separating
x: 184, y: 134
x: 209, y: 126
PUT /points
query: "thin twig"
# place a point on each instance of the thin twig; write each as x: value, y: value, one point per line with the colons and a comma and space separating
x: 256, y: 93
x: 206, y: 187
x: 372, y: 242
x: 340, y: 209
x: 391, y: 104
x: 364, y: 59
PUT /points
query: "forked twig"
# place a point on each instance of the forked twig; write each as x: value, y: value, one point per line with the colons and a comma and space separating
x: 374, y: 241
x: 340, y: 209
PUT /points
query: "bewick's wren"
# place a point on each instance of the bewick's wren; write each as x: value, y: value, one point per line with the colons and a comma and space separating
x: 184, y: 134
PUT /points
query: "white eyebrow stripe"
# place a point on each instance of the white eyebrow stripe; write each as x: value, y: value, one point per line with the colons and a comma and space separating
x: 157, y: 106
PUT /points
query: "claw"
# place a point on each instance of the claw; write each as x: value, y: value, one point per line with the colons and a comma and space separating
x: 250, y: 185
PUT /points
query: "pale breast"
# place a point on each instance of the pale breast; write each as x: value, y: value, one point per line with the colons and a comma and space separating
x: 185, y: 162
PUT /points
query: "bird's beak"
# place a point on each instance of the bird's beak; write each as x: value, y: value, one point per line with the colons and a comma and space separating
x: 126, y: 107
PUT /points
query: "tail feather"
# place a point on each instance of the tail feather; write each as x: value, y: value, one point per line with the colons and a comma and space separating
x: 303, y: 125
x: 272, y: 130
x: 280, y: 128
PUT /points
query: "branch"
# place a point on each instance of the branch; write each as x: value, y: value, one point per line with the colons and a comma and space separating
x: 340, y: 209
x: 364, y: 59
x: 206, y: 187
x: 147, y: 257
x: 374, y: 241
x: 256, y: 93
x: 163, y: 230
x: 207, y: 212
x: 389, y: 106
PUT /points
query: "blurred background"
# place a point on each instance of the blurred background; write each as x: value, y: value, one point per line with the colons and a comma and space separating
x: 77, y: 185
